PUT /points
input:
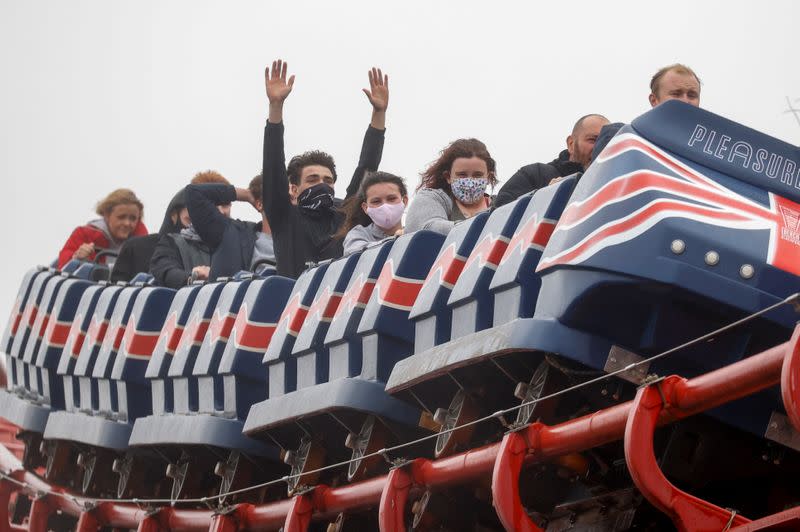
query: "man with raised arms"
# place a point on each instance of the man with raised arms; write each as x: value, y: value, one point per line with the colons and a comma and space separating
x: 303, y: 232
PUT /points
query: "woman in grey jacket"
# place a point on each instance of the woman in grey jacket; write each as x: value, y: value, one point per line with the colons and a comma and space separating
x: 374, y: 213
x: 453, y: 187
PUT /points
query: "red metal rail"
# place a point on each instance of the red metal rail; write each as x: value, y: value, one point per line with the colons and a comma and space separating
x: 669, y: 400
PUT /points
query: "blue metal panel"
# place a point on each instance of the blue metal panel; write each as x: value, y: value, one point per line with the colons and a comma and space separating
x: 472, y: 304
x: 431, y: 316
x: 245, y: 378
x: 515, y: 284
x: 309, y: 349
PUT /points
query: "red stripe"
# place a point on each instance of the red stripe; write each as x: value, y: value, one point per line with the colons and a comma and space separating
x: 76, y: 347
x: 357, y: 294
x: 120, y: 334
x: 294, y: 315
x: 43, y: 329
x: 325, y: 305
x: 96, y: 331
x: 638, y: 219
x: 31, y: 312
x: 220, y: 327
x: 490, y: 250
x: 395, y: 291
x: 641, y: 180
x: 174, y: 339
x: 16, y: 316
x: 533, y: 232
x: 141, y: 345
x: 448, y: 267
x: 59, y: 333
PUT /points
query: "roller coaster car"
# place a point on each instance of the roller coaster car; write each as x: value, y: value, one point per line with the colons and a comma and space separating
x: 345, y: 339
x: 685, y: 223
x: 202, y: 385
x: 33, y: 341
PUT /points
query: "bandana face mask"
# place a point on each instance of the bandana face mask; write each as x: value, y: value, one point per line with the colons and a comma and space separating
x: 387, y: 215
x: 469, y: 190
x: 318, y: 198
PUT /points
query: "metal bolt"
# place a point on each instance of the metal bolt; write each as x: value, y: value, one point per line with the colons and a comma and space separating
x: 678, y: 246
x: 747, y: 271
x: 289, y: 457
x: 712, y: 258
x: 521, y: 390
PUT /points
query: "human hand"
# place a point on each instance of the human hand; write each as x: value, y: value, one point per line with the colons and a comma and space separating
x: 399, y: 232
x: 278, y: 88
x: 84, y: 251
x: 555, y: 180
x: 201, y: 272
x: 244, y: 194
x: 378, y: 92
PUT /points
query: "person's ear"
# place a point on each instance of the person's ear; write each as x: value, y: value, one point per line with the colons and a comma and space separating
x: 447, y: 177
x: 293, y: 190
x: 653, y: 100
x: 259, y: 205
x: 405, y: 201
x: 364, y: 207
x: 570, y: 145
x: 174, y: 217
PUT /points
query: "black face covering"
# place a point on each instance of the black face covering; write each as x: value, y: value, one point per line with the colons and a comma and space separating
x: 316, y: 200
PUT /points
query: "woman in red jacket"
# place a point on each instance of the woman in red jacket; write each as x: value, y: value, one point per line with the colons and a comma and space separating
x: 121, y: 213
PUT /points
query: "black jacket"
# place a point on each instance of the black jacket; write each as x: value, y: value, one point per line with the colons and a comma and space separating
x: 136, y: 253
x: 299, y: 237
x: 229, y: 241
x: 535, y: 176
x: 175, y: 257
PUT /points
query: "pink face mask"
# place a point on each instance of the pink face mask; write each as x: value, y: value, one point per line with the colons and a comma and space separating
x: 387, y: 215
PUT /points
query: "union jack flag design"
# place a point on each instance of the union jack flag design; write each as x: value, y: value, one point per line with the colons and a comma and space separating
x: 662, y: 187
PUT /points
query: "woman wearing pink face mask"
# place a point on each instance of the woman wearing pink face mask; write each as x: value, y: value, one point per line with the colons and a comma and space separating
x: 374, y: 213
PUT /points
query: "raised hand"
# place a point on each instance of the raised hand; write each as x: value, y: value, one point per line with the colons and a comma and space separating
x: 278, y: 88
x: 378, y: 92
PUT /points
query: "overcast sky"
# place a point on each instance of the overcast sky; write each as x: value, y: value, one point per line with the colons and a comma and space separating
x: 97, y: 95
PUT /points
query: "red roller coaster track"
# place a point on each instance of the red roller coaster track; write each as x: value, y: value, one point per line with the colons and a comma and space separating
x: 659, y: 402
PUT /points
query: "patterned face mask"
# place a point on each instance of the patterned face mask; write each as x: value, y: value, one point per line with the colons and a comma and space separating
x: 316, y: 199
x: 469, y: 190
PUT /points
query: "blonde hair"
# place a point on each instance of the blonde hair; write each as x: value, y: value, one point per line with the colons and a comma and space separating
x: 209, y: 176
x: 678, y: 68
x: 121, y: 196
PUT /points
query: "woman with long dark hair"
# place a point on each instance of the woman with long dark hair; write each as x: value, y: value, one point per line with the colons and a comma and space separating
x: 375, y: 212
x: 453, y: 187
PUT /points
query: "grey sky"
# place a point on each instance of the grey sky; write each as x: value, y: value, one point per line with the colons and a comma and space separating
x: 97, y: 95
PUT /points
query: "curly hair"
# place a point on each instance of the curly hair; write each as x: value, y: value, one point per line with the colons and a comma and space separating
x: 353, y: 213
x: 309, y: 158
x: 434, y: 175
x: 121, y: 196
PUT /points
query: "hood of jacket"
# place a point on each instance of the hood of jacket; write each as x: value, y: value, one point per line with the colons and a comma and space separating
x: 177, y: 203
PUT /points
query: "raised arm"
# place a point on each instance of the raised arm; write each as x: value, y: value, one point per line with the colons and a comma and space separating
x: 202, y: 201
x: 372, y: 146
x: 275, y: 185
